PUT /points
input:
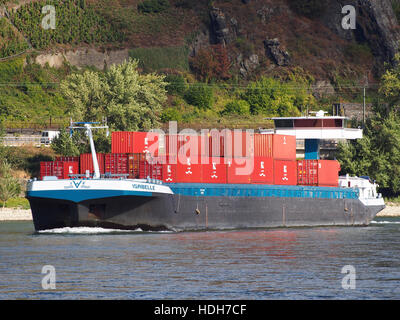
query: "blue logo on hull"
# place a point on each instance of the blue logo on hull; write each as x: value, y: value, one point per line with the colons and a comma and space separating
x: 77, y: 184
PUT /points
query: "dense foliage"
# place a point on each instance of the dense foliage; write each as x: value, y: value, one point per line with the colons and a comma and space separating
x: 378, y: 153
x: 129, y: 100
x: 76, y: 22
x: 11, y: 42
x: 9, y: 186
x: 200, y: 95
x: 390, y: 85
x: 272, y: 97
x: 32, y: 93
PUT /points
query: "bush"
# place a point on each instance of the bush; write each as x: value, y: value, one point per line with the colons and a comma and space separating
x: 153, y: 6
x: 171, y: 114
x: 211, y: 63
x: 9, y: 70
x: 176, y: 84
x: 200, y: 96
x: 271, y: 97
x: 240, y: 107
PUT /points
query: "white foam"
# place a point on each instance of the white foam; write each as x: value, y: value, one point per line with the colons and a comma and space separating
x: 385, y: 222
x: 85, y: 230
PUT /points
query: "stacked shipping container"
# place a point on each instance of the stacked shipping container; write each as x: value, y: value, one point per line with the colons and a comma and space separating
x: 86, y: 163
x: 218, y: 157
x: 59, y: 169
x: 324, y: 173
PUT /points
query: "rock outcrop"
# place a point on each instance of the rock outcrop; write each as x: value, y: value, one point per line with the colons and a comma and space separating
x: 376, y: 24
x: 247, y: 65
x: 223, y: 29
x: 274, y: 51
x: 84, y: 57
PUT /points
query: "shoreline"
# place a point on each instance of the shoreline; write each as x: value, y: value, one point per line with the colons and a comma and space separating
x: 16, y: 214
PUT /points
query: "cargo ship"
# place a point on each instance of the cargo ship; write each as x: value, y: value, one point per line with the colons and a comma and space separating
x: 204, y: 182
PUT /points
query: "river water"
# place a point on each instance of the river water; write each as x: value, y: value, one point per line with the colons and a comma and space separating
x: 299, y: 263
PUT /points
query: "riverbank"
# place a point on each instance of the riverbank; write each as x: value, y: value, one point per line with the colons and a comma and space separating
x: 15, y: 214
x: 391, y: 210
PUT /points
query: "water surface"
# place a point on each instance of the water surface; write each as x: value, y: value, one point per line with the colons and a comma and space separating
x: 299, y: 263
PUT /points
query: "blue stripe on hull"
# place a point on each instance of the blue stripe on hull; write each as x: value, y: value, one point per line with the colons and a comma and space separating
x: 249, y: 190
x: 82, y: 195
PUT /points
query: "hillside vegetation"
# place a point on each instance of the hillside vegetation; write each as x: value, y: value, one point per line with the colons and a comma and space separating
x: 229, y: 82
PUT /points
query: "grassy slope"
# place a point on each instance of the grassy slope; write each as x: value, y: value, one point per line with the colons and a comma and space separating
x: 159, y: 40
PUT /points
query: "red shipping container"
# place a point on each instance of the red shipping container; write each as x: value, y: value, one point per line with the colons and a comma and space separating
x: 307, y: 172
x: 116, y: 163
x: 121, y: 142
x: 282, y: 147
x: 186, y: 145
x: 134, y: 160
x: 263, y: 170
x: 285, y: 172
x: 68, y: 159
x: 46, y: 168
x: 239, y: 170
x: 70, y: 168
x: 328, y: 173
x: 150, y: 168
x: 169, y: 173
x: 237, y: 143
x: 86, y: 163
x: 216, y: 144
x: 134, y: 142
x: 189, y: 171
x: 214, y: 170
x: 59, y: 169
x: 263, y: 145
x: 173, y: 143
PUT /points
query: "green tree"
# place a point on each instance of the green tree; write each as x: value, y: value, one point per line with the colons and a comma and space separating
x: 272, y: 97
x: 240, y: 107
x: 390, y: 83
x: 130, y: 101
x: 9, y: 186
x: 200, y: 95
x: 65, y: 145
x: 377, y: 154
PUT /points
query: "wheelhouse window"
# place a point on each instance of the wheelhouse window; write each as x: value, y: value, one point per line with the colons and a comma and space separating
x: 284, y: 123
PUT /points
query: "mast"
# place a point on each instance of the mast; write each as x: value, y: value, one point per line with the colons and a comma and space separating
x: 88, y: 126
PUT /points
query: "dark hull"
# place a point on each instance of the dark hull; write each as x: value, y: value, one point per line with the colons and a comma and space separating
x: 179, y: 212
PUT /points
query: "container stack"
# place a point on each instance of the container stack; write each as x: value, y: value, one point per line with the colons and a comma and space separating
x: 59, y: 169
x: 86, y: 163
x: 237, y: 157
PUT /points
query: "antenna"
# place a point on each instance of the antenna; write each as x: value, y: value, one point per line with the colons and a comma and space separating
x: 88, y: 126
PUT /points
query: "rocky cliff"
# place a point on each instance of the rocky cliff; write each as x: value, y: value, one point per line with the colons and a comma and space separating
x: 280, y: 35
x: 376, y: 24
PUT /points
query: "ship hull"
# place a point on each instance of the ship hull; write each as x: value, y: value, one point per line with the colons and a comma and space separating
x: 180, y: 212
